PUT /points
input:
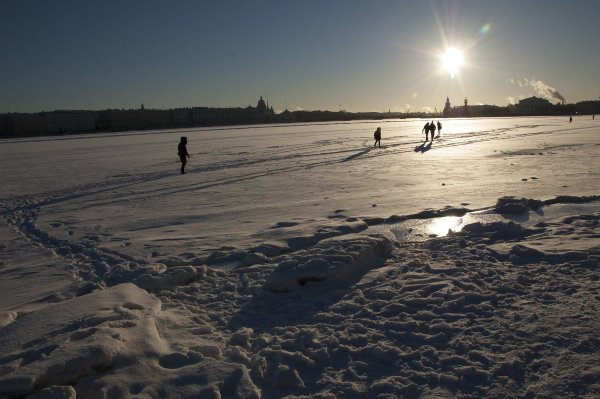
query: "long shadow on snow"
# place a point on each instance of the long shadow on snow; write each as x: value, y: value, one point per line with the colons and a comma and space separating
x: 358, y: 154
x: 423, y: 147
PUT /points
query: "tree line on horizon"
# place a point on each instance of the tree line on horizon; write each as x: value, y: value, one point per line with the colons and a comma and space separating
x: 115, y: 120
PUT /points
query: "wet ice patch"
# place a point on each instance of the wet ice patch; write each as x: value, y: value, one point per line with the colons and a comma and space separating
x: 524, y: 212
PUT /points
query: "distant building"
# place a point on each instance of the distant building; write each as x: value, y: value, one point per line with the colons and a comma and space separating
x: 447, y: 109
x: 261, y: 106
x: 534, y: 106
x: 113, y: 120
x: 59, y: 122
x: 455, y: 112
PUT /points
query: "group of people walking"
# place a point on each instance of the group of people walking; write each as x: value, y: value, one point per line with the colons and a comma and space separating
x: 430, y: 127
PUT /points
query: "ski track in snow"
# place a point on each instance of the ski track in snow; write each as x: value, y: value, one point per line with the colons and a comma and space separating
x: 493, y: 311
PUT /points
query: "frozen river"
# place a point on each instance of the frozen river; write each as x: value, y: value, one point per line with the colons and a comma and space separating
x: 299, y: 260
x: 245, y: 183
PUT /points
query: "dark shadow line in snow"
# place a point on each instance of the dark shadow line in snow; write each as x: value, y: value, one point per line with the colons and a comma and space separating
x: 358, y: 154
x: 571, y: 199
x: 424, y: 147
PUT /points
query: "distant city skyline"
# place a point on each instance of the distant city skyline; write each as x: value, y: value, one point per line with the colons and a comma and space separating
x: 311, y: 55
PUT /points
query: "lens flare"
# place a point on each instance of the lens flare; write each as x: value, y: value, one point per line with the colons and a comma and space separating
x: 485, y: 29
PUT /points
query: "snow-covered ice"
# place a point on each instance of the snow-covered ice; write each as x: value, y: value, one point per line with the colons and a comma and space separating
x: 298, y: 261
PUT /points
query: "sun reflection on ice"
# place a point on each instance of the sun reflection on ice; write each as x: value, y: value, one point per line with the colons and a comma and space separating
x: 440, y: 226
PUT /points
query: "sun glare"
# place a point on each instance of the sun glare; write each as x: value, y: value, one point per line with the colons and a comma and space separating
x: 452, y: 59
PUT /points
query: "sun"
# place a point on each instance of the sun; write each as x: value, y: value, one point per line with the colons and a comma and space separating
x: 452, y: 59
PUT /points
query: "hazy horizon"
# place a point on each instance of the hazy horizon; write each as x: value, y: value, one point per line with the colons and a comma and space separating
x: 355, y: 56
x: 438, y: 110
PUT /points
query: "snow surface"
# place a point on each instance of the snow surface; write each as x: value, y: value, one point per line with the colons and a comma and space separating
x: 298, y: 261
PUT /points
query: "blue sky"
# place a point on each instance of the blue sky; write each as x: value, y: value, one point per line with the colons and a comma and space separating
x: 328, y: 54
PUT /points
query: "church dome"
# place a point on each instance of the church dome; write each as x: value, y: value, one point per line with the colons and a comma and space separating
x: 261, y: 104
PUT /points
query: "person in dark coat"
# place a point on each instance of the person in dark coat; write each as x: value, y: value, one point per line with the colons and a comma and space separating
x: 432, y: 128
x: 426, y: 130
x: 439, y: 128
x: 377, y: 136
x: 183, y: 154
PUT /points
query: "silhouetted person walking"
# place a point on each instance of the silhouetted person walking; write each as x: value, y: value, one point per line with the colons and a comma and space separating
x: 432, y: 128
x: 439, y: 128
x: 570, y: 119
x: 183, y: 154
x: 377, y: 136
x: 426, y: 130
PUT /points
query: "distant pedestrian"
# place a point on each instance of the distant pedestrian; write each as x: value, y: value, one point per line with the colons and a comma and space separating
x: 426, y: 130
x: 593, y: 116
x: 439, y: 128
x: 183, y: 154
x: 377, y: 136
x: 570, y: 119
x: 432, y: 128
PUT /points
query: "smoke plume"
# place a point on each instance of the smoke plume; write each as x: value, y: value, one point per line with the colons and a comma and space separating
x: 540, y: 88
